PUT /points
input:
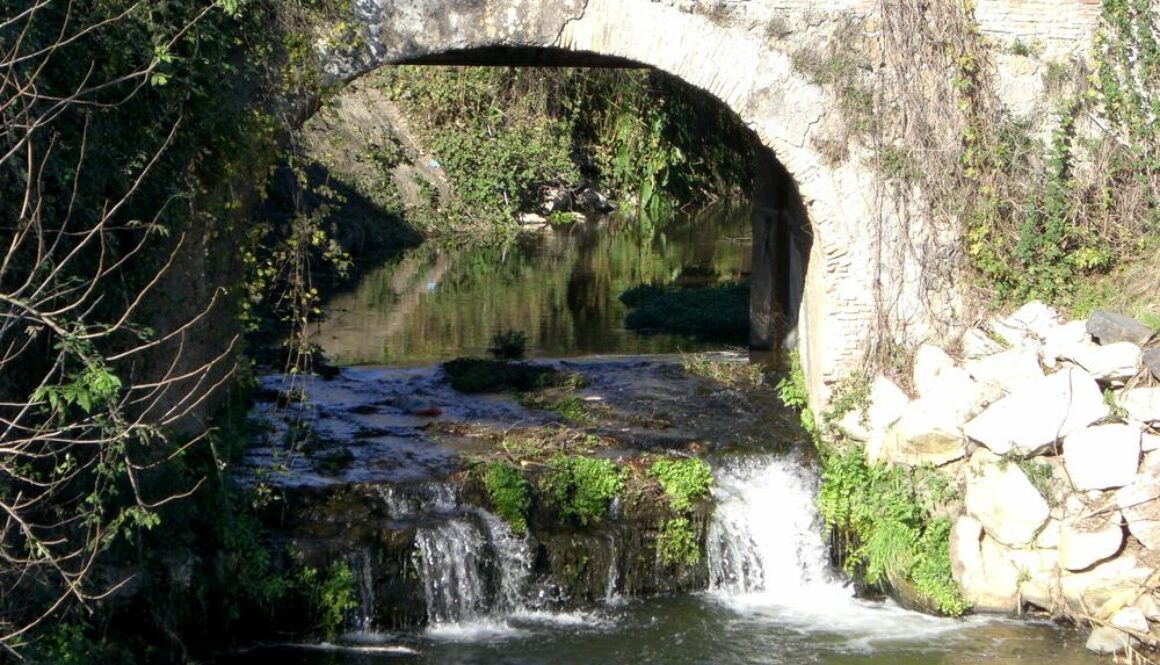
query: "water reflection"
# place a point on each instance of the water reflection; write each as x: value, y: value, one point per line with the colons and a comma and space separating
x: 560, y: 287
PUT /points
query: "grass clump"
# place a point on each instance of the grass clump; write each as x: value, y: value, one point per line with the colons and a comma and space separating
x: 793, y: 393
x: 582, y: 487
x: 886, y: 532
x: 510, y: 494
x: 476, y: 375
x: 683, y: 480
x: 716, y: 312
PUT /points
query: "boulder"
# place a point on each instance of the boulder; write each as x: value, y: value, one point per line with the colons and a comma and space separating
x: 1116, y: 361
x: 977, y: 344
x: 999, y: 495
x: 1108, y: 640
x: 1130, y: 619
x: 925, y: 434
x: 1034, y: 318
x: 1107, y: 586
x: 1102, y: 457
x: 1151, y: 360
x: 1142, y: 404
x: 1031, y: 419
x: 929, y: 362
x: 1061, y: 339
x: 887, y: 402
x: 996, y: 578
x: 1108, y: 327
x: 1140, y: 504
x: 1048, y: 538
x: 1008, y: 371
x: 1086, y: 541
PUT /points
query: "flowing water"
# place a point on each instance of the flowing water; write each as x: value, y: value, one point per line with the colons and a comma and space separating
x: 773, y: 600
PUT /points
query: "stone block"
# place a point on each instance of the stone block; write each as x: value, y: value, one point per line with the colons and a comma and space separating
x: 1102, y: 457
x: 1115, y: 361
x: 1140, y: 504
x: 925, y: 434
x: 1108, y: 327
x: 1031, y: 419
x: 1007, y: 371
x: 1151, y: 360
x: 1142, y: 404
x: 1004, y: 501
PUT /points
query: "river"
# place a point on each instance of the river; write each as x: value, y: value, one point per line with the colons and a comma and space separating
x: 771, y: 598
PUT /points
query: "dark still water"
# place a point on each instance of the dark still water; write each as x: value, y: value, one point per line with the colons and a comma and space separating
x: 559, y: 287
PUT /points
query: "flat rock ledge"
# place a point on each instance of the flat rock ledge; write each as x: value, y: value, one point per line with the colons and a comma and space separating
x: 1051, y: 429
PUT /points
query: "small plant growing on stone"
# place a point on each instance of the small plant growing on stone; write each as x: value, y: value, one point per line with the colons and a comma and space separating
x: 582, y: 487
x: 509, y: 345
x: 510, y: 494
x: 677, y: 544
x: 683, y: 480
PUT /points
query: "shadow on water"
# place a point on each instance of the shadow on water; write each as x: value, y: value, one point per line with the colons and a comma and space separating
x: 559, y: 286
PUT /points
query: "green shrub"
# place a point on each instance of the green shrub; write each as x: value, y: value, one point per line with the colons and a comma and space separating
x: 331, y: 595
x: 792, y: 392
x: 509, y: 345
x: 509, y: 493
x: 583, y: 487
x: 684, y: 480
x: 476, y: 375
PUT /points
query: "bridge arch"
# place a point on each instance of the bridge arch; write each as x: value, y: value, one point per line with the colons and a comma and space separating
x: 819, y: 224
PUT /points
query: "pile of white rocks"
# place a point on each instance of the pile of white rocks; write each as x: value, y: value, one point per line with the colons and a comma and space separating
x: 1050, y: 428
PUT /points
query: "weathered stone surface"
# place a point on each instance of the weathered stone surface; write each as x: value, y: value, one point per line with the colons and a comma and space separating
x: 1031, y: 419
x: 925, y: 434
x: 978, y: 344
x: 1008, y: 371
x: 1151, y: 360
x: 1061, y: 339
x: 1149, y: 442
x: 996, y: 578
x: 1140, y: 504
x: 1107, y: 640
x: 1142, y: 404
x: 887, y: 402
x: 1034, y: 318
x: 1102, y: 457
x: 1119, y: 360
x: 999, y: 495
x: 1085, y: 542
x: 929, y: 362
x: 1106, y: 587
x: 1108, y: 327
x: 1048, y: 538
x: 1130, y: 619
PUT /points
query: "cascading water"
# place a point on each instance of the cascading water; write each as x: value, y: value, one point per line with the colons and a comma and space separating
x: 472, y: 566
x: 765, y: 535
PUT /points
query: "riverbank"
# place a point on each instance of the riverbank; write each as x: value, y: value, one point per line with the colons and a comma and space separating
x: 1035, y: 446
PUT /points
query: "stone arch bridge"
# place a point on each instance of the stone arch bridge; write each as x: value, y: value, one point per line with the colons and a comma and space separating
x: 840, y: 265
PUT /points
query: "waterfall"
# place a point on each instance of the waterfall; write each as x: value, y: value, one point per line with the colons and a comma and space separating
x: 765, y: 535
x: 362, y: 620
x: 470, y: 563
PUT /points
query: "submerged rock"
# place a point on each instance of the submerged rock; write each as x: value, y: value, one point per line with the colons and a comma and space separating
x: 1108, y: 640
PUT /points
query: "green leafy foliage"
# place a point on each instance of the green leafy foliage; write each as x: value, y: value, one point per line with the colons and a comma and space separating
x: 677, y: 544
x: 888, y: 534
x: 684, y: 480
x: 331, y: 594
x: 793, y: 393
x: 509, y: 345
x: 582, y: 487
x: 475, y: 375
x: 510, y: 494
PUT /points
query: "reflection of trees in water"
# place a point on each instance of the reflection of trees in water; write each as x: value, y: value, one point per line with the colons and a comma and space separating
x: 560, y: 287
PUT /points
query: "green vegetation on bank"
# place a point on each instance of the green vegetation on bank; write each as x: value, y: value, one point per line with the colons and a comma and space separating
x: 504, y: 135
